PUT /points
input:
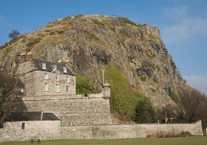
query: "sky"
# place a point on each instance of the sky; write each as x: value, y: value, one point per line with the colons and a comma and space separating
x: 182, y: 24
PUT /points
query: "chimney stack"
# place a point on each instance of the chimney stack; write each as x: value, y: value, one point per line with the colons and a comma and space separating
x: 25, y: 57
x: 29, y: 56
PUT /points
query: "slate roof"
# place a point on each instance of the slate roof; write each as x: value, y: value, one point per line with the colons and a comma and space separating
x: 30, y: 116
x: 49, y: 66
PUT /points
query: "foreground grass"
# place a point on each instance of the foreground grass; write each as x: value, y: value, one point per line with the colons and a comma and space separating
x: 140, y: 141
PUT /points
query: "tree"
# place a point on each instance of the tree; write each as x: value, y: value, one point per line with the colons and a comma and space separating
x: 9, y: 86
x: 144, y: 112
x: 194, y: 104
x: 14, y: 34
x: 83, y: 85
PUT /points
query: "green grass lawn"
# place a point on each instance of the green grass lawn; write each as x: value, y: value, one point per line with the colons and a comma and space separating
x: 140, y: 141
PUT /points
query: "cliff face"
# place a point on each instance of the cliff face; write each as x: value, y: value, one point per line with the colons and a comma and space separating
x: 88, y: 44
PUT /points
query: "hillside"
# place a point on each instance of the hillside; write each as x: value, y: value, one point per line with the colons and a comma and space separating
x: 136, y: 61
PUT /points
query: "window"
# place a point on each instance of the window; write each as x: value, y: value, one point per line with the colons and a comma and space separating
x: 23, y: 125
x: 57, y: 88
x: 67, y: 79
x: 46, y: 76
x: 46, y: 87
x: 43, y: 65
x: 67, y: 89
x: 57, y: 77
x: 54, y: 67
x: 64, y: 69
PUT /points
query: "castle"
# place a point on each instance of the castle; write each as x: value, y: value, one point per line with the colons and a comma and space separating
x: 51, y: 87
x: 51, y: 109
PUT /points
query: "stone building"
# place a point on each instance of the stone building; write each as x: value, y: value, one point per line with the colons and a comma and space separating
x: 51, y: 87
x: 44, y: 77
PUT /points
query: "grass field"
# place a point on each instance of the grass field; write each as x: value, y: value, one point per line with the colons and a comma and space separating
x: 140, y: 141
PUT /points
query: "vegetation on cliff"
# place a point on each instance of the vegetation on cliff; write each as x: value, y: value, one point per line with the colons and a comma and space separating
x: 84, y: 85
x: 128, y: 102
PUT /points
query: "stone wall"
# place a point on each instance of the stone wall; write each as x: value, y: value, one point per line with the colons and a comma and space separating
x: 73, y: 110
x: 128, y: 131
x: 32, y: 130
x: 52, y: 130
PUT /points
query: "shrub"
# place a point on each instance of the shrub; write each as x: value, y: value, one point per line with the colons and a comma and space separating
x: 28, y: 49
x: 144, y: 112
x: 78, y: 16
x: 83, y: 85
x: 97, y: 22
x: 52, y: 33
x: 127, y: 21
x: 61, y: 32
x: 143, y: 78
x: 3, y: 46
x: 66, y: 18
x: 6, y: 51
x: 92, y: 35
x: 33, y: 42
x: 173, y: 96
x: 170, y: 134
x: 152, y: 37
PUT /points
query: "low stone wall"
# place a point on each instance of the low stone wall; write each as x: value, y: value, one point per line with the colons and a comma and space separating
x: 128, y: 131
x: 52, y: 130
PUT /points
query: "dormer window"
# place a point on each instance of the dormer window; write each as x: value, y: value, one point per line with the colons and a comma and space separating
x: 54, y: 67
x: 43, y: 65
x: 64, y: 69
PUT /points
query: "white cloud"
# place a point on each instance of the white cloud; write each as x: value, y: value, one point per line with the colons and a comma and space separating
x: 197, y: 82
x: 184, y: 27
x: 176, y: 12
x: 176, y: 33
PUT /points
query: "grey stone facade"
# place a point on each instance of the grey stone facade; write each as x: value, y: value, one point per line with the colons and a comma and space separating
x: 46, y: 78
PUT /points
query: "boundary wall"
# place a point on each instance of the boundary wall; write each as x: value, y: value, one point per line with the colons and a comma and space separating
x: 47, y: 130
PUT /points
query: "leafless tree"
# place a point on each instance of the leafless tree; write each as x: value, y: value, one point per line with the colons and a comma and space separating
x: 194, y: 104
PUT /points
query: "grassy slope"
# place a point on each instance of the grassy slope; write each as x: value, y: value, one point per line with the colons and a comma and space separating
x: 141, y: 141
x: 123, y: 98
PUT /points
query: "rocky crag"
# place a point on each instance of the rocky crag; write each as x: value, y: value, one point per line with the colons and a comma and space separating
x: 90, y: 44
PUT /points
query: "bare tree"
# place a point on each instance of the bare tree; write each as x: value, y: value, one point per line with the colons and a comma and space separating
x: 195, y: 105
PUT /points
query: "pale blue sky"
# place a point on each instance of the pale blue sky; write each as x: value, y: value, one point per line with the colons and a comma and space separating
x: 182, y: 24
